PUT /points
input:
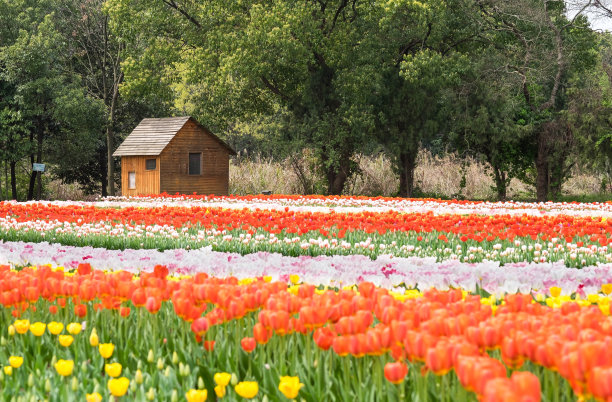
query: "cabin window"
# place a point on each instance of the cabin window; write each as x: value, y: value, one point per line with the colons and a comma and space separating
x: 151, y: 164
x: 195, y: 163
x: 131, y: 180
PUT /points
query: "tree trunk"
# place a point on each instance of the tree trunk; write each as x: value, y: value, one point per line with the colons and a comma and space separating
x: 103, y: 172
x: 39, y: 144
x: 407, y: 162
x: 14, y: 180
x: 338, y: 175
x: 32, y: 174
x: 110, y: 165
x: 500, y: 184
x: 6, y: 181
x: 542, y: 169
x: 336, y: 179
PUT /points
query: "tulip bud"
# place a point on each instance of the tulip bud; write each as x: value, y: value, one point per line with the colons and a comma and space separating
x: 11, y: 330
x: 160, y: 364
x: 174, y: 397
x: 93, y: 338
x: 200, y: 383
x: 48, y: 384
x: 132, y: 386
x: 265, y: 398
x: 175, y: 358
x: 151, y: 394
x: 167, y: 371
x: 53, y: 360
x: 315, y: 363
x: 187, y: 371
x: 31, y: 380
x: 181, y: 369
x: 84, y: 365
x: 150, y: 356
x: 111, y: 399
x: 2, y: 341
x: 74, y: 384
x: 234, y: 380
x: 138, y: 379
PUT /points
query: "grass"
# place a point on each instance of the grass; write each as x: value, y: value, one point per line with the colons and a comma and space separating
x: 445, y: 177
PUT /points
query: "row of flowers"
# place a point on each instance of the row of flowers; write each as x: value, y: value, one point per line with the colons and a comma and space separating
x: 315, y: 203
x: 336, y: 271
x: 152, y: 336
x: 575, y: 241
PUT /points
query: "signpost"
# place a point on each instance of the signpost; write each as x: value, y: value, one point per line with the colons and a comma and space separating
x: 40, y: 168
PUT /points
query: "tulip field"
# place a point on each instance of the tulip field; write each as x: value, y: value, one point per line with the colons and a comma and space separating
x: 277, y: 298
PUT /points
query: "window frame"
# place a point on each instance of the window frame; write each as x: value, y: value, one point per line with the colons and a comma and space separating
x: 189, y: 164
x: 154, y: 161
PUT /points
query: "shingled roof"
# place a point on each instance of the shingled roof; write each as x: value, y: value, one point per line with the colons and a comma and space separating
x: 151, y: 136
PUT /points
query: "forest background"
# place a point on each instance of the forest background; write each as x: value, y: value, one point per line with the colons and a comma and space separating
x: 377, y: 97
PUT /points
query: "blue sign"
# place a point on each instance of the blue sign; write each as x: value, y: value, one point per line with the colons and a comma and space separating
x: 38, y: 167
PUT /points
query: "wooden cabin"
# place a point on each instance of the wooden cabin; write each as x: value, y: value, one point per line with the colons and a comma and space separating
x: 173, y: 155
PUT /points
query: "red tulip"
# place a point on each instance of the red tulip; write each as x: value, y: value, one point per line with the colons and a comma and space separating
x: 396, y: 372
x: 200, y: 325
x: 248, y: 344
x: 152, y: 305
x: 80, y: 310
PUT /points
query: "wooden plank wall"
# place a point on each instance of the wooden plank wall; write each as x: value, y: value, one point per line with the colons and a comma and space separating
x: 175, y: 163
x: 147, y: 181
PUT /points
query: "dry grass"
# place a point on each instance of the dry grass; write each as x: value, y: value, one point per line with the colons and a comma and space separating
x: 434, y: 176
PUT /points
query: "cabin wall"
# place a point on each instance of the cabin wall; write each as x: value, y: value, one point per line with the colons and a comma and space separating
x: 175, y: 177
x: 147, y: 181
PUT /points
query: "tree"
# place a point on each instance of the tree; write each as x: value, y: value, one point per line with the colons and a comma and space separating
x: 488, y: 120
x: 416, y: 54
x: 543, y: 49
x: 95, y: 55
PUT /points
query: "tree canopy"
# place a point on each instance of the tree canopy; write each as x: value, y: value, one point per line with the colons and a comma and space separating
x: 516, y: 83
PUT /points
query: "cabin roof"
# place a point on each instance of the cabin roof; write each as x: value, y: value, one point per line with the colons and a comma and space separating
x: 151, y: 136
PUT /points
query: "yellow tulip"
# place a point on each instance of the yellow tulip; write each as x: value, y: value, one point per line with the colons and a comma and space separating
x: 64, y: 367
x: 220, y: 391
x: 65, y: 340
x: 15, y: 361
x: 38, y: 328
x: 94, y: 397
x: 247, y: 389
x: 106, y: 350
x: 118, y: 386
x: 74, y: 328
x: 196, y: 395
x: 93, y: 338
x: 8, y: 370
x: 22, y: 326
x: 11, y: 330
x: 55, y: 327
x: 290, y: 386
x: 294, y: 278
x: 555, y: 291
x: 113, y: 369
x: 222, y: 379
x: 606, y: 288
